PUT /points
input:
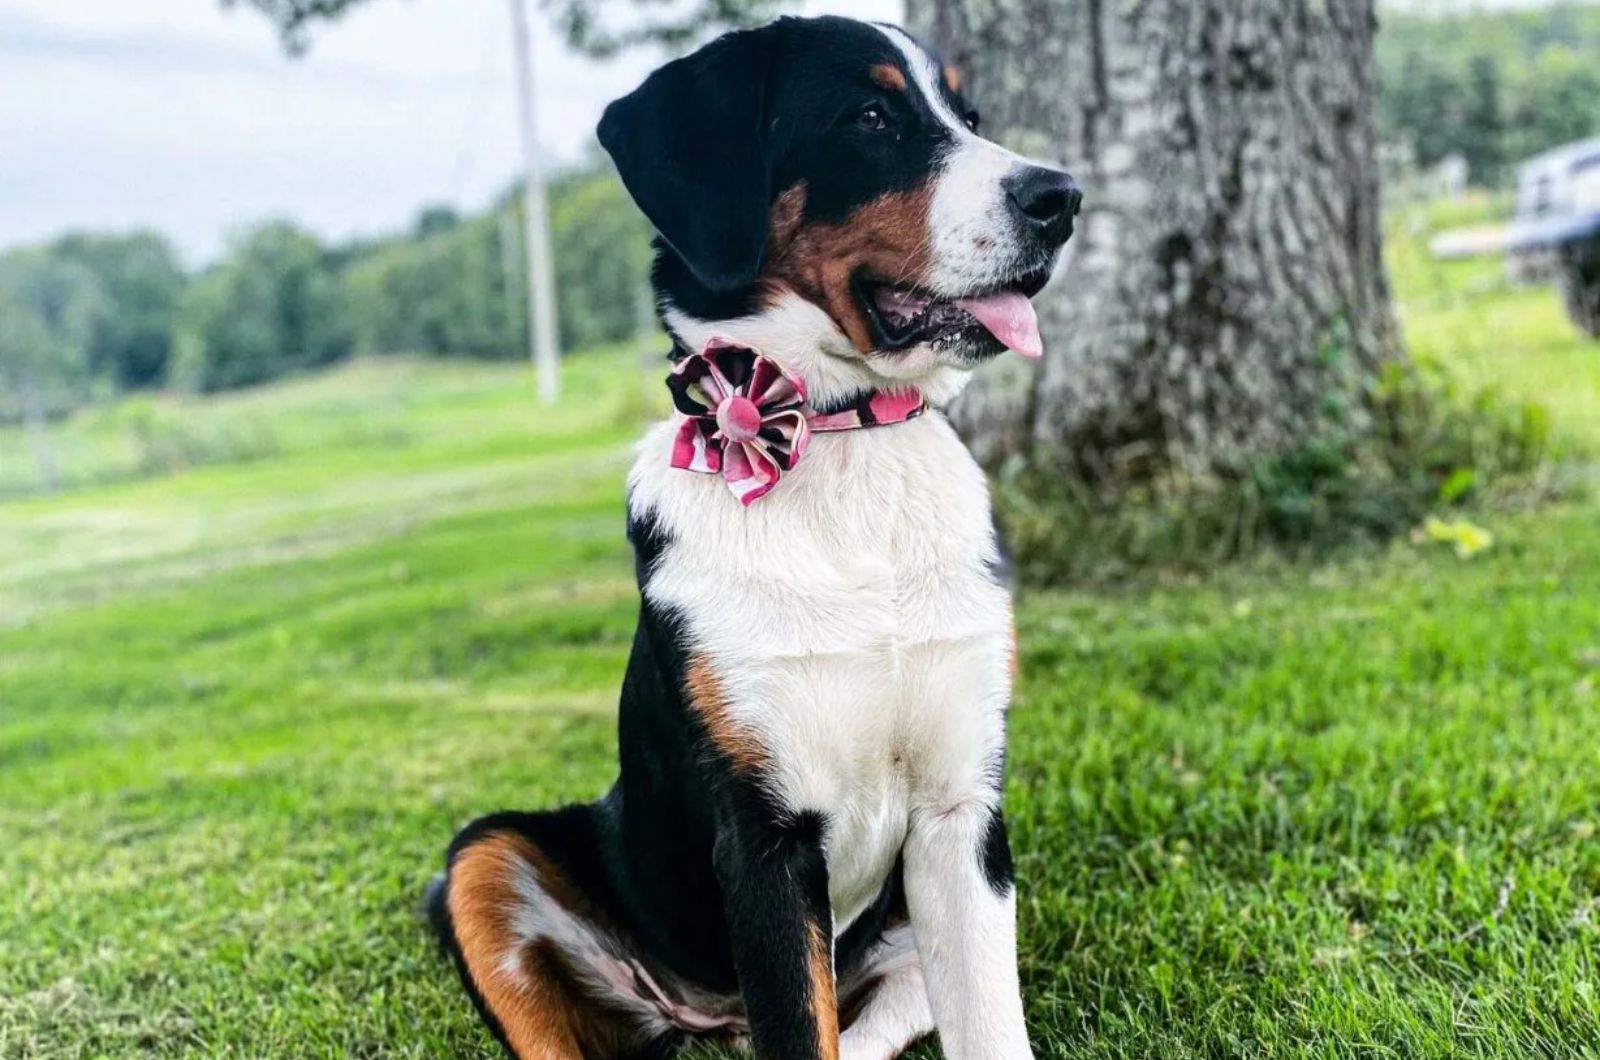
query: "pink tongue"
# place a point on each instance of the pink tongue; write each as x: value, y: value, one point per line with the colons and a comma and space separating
x: 1009, y: 316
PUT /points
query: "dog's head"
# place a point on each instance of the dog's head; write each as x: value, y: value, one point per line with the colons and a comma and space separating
x: 821, y: 191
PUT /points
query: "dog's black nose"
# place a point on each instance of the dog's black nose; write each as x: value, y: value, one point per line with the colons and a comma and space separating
x: 1045, y: 200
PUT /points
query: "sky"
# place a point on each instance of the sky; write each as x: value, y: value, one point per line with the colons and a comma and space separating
x: 187, y: 118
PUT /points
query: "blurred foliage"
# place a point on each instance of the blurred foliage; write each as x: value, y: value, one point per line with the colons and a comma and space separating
x: 273, y: 306
x: 92, y: 315
x: 1493, y: 87
x: 676, y: 26
x: 55, y: 309
x: 602, y: 250
x: 443, y: 291
x: 587, y: 24
x: 142, y: 281
x: 455, y: 286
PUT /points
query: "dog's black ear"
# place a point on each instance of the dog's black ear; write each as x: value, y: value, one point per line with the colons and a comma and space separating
x: 690, y: 145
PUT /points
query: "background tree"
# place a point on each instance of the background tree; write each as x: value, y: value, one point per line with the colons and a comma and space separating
x: 602, y: 256
x: 1483, y: 121
x: 1226, y: 298
x: 66, y: 302
x: 1560, y: 98
x: 446, y: 291
x: 1493, y: 87
x: 456, y: 289
x: 273, y: 306
x: 50, y: 311
x: 26, y: 361
x: 143, y: 281
x: 436, y: 220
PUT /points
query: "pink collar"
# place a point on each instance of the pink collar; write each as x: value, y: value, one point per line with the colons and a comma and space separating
x: 746, y: 418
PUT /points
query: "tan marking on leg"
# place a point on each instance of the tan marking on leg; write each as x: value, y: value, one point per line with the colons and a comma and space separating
x: 888, y: 75
x: 708, y: 700
x: 824, y: 997
x: 528, y: 1005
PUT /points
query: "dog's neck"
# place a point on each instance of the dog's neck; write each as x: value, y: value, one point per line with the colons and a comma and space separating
x: 800, y: 336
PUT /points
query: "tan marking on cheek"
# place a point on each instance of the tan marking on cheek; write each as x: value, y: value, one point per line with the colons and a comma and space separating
x: 953, y: 78
x: 824, y: 998
x: 531, y: 1007
x: 888, y: 75
x: 888, y: 239
x: 708, y: 700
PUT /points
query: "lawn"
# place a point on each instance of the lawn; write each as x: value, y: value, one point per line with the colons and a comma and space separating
x: 1291, y: 811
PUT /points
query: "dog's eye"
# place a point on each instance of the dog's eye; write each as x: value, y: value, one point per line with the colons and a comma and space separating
x: 872, y: 118
x: 971, y: 119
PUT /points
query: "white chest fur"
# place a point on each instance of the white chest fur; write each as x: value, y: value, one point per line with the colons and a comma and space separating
x: 854, y: 625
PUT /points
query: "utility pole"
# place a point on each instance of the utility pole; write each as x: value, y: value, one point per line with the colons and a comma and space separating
x: 536, y: 218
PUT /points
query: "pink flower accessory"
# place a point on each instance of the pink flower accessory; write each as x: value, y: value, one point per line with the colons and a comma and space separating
x: 746, y: 418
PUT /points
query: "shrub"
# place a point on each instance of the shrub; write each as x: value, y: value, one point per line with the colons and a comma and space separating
x: 1425, y: 446
x: 160, y: 436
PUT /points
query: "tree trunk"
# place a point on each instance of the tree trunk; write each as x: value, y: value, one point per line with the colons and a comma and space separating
x: 1225, y: 296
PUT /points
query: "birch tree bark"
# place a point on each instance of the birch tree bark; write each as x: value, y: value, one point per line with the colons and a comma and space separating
x: 1225, y: 297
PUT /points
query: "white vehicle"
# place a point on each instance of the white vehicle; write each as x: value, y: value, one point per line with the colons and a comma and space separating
x: 1557, y: 226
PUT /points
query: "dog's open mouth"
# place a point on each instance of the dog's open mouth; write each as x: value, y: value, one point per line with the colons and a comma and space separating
x: 905, y: 316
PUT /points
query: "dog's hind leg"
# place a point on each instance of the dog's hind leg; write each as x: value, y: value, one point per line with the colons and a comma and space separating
x: 884, y: 1003
x: 539, y: 956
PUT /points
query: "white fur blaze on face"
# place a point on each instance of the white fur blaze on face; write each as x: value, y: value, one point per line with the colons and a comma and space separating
x: 975, y: 240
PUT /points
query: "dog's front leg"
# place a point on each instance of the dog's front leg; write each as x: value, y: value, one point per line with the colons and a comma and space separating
x: 963, y: 912
x: 775, y: 885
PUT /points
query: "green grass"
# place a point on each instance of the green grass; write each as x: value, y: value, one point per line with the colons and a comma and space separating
x: 1338, y: 811
x: 1468, y: 315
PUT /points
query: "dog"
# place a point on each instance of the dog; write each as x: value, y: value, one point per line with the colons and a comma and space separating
x: 805, y: 852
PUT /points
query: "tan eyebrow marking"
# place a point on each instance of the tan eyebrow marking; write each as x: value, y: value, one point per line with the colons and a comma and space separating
x: 888, y: 75
x: 952, y: 78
